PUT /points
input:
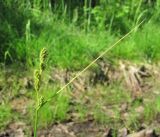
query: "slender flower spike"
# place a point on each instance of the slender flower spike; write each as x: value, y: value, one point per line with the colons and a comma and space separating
x: 41, y: 101
x: 37, y: 82
x: 42, y: 66
x: 43, y: 56
x: 37, y: 77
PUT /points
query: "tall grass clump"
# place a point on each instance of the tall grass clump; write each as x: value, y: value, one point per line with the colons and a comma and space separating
x: 69, y: 46
x: 5, y: 116
x: 142, y: 46
x: 12, y: 20
x: 75, y: 31
x: 148, y: 42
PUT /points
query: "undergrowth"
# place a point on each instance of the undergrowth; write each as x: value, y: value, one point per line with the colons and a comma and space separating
x: 75, y: 35
x: 5, y: 116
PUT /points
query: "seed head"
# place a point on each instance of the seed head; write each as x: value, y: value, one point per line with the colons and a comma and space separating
x: 41, y: 101
x: 43, y: 55
x: 42, y: 67
x: 37, y: 78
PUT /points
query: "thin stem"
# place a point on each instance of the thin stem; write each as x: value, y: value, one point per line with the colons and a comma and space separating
x: 89, y: 15
x: 36, y: 114
x: 85, y: 15
x: 36, y: 122
x: 89, y: 65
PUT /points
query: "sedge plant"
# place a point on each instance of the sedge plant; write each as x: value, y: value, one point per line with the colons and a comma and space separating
x: 38, y: 73
x: 37, y: 83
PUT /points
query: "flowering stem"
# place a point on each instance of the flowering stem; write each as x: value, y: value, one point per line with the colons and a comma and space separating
x: 37, y: 82
x: 36, y: 122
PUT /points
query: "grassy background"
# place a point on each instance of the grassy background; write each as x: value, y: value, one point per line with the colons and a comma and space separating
x: 75, y: 32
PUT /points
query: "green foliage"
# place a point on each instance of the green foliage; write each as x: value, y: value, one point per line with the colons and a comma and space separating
x: 133, y: 122
x: 148, y: 42
x: 53, y: 111
x: 65, y: 43
x: 151, y: 112
x: 81, y: 111
x: 5, y: 115
x: 45, y: 116
x: 141, y: 46
x: 61, y: 108
x: 72, y: 29
x: 12, y: 20
x: 100, y: 116
x: 75, y: 32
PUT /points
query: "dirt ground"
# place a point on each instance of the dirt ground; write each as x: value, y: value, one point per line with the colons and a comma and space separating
x: 142, y: 81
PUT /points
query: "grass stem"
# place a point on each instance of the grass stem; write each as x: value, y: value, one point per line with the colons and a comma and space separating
x: 36, y: 122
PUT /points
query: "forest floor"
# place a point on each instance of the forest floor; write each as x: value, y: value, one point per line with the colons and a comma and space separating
x: 111, y: 99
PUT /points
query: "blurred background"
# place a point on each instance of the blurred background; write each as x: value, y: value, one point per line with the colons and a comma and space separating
x: 120, y: 91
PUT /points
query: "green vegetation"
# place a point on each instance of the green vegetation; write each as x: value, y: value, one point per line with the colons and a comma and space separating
x: 5, y: 115
x: 152, y: 112
x: 75, y: 32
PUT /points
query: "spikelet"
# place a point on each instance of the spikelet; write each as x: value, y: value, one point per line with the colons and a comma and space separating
x: 43, y: 56
x: 37, y: 73
x: 41, y: 101
x: 37, y: 78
